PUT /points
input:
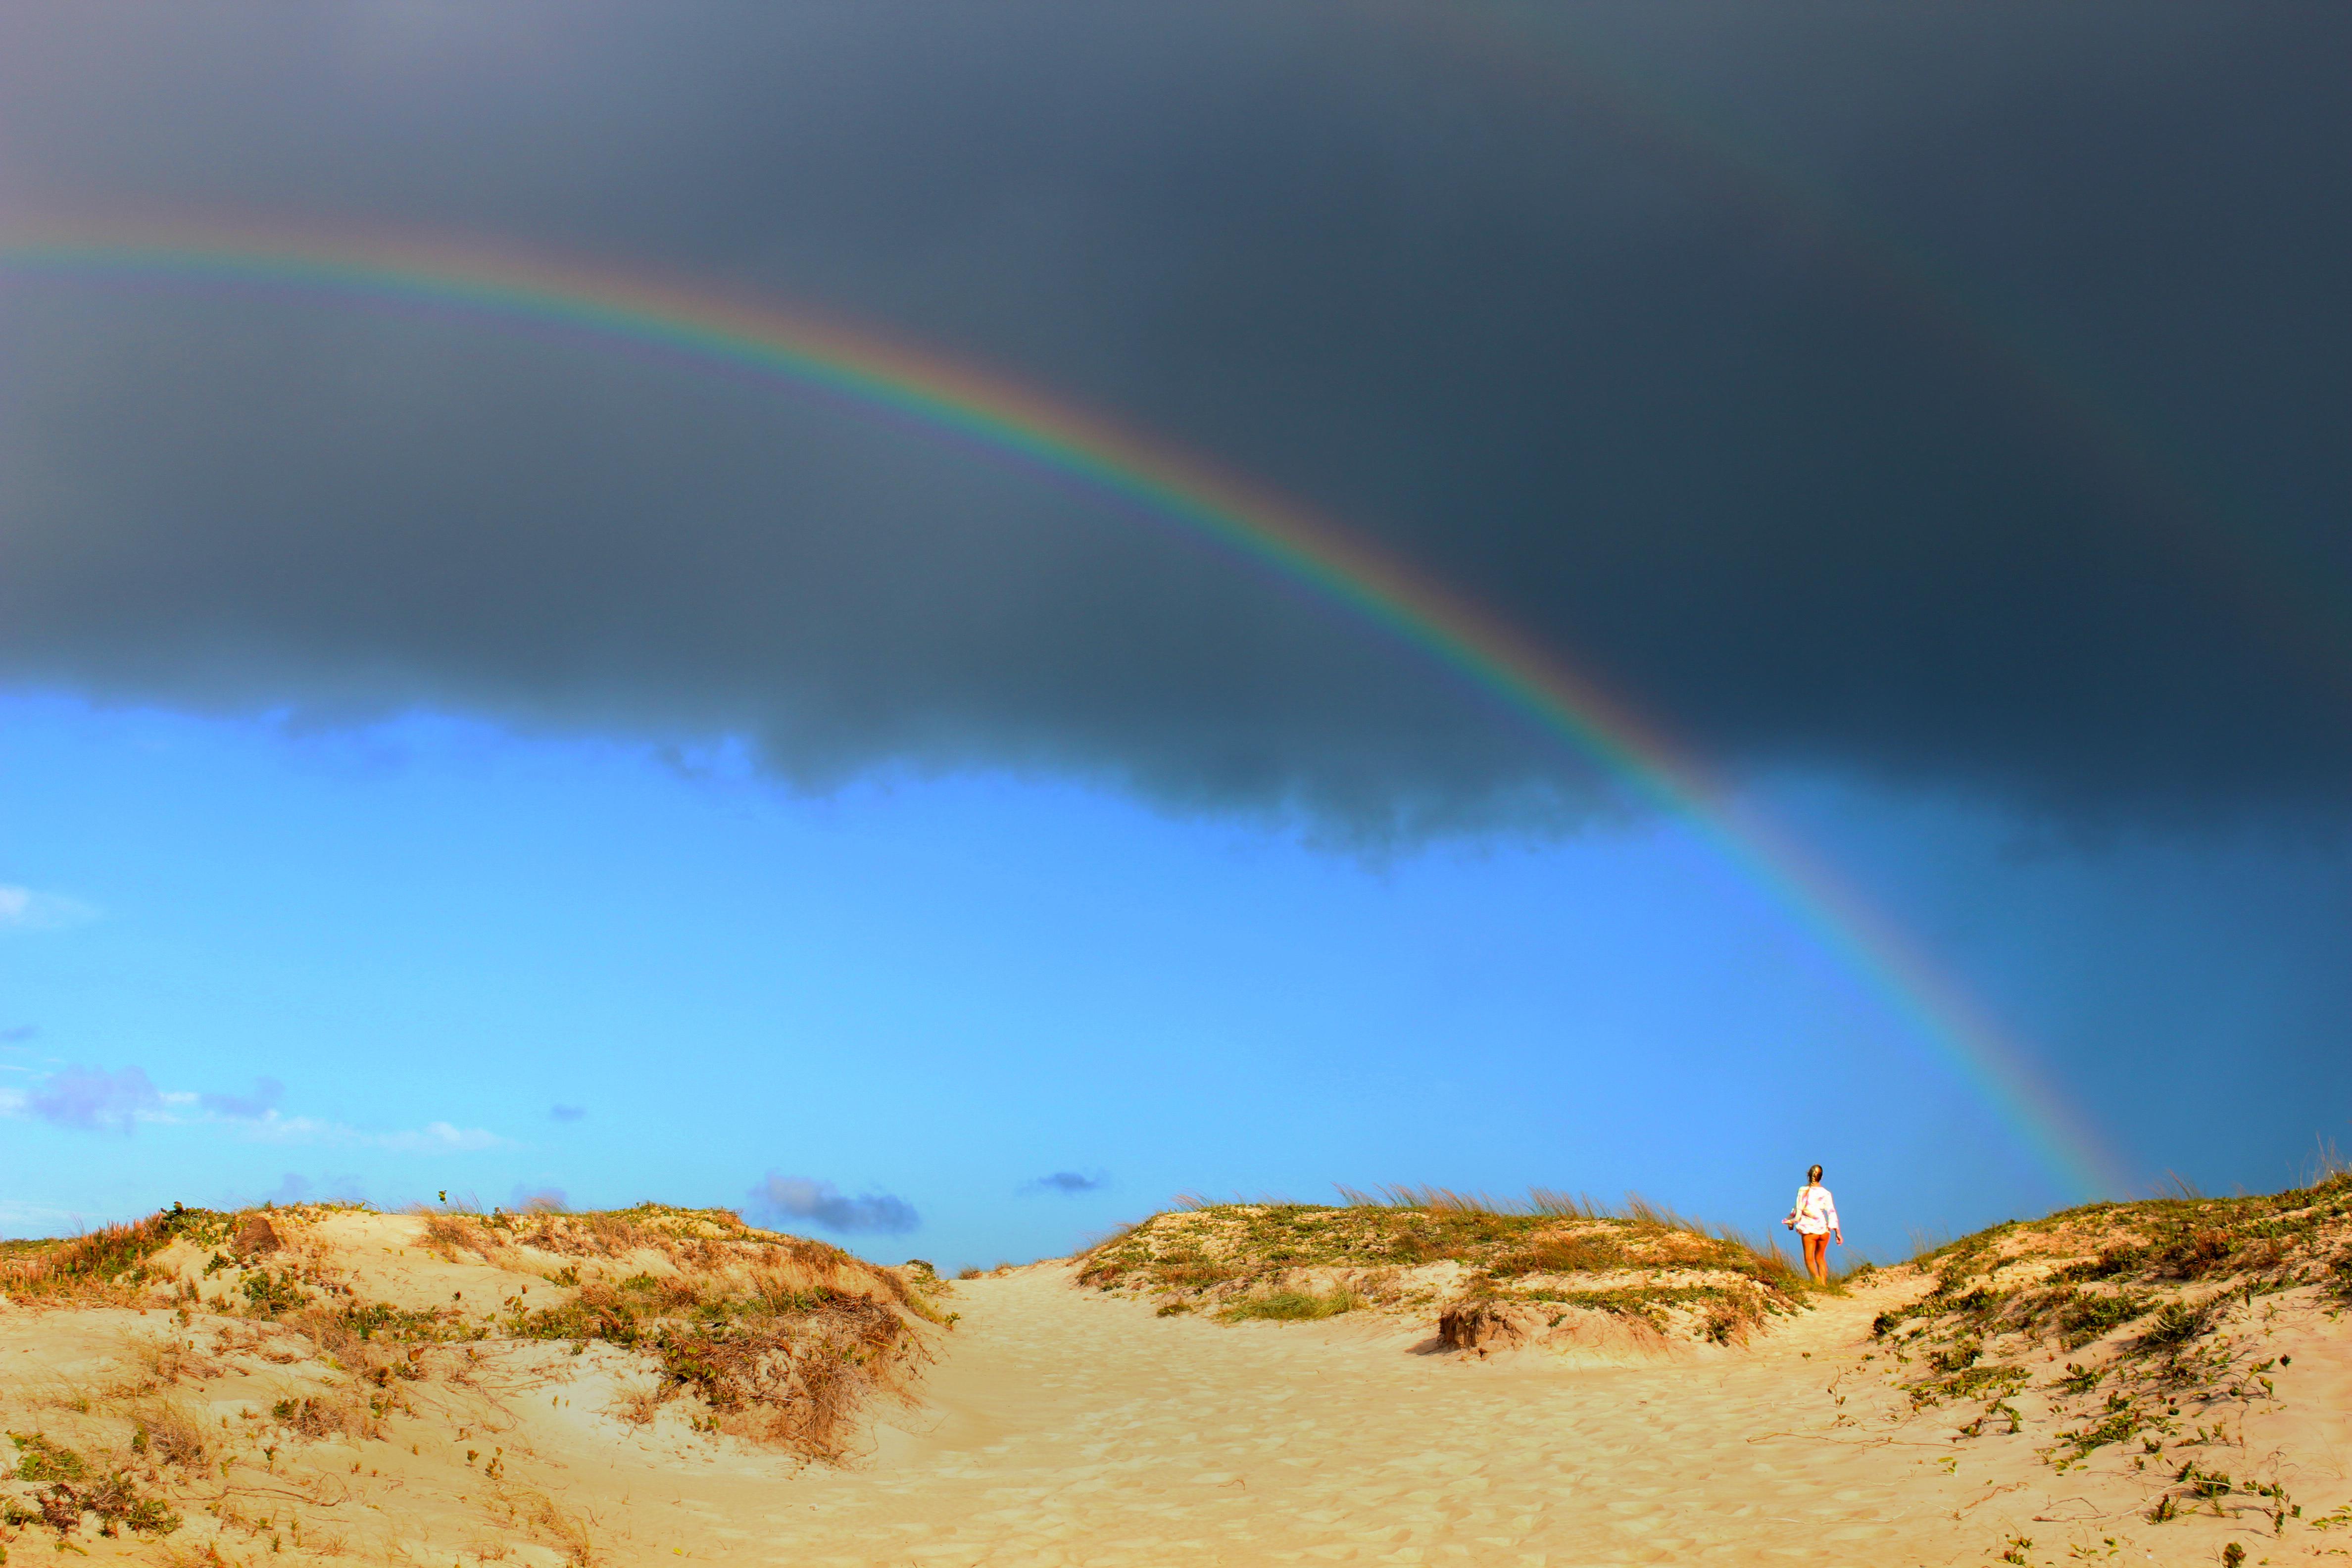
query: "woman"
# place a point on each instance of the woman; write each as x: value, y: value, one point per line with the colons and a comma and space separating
x: 1815, y: 1219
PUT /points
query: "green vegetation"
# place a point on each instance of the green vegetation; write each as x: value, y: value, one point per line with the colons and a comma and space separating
x: 2159, y: 1293
x: 270, y: 1295
x: 1989, y: 1382
x: 31, y: 1270
x: 115, y: 1498
x: 38, y: 1459
x: 2163, y: 1257
x: 1291, y: 1306
x: 1272, y: 1260
x: 780, y: 1338
x: 393, y: 1323
x: 1720, y: 1313
x: 110, y: 1259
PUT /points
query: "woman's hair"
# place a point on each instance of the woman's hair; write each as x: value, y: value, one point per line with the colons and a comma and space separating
x: 1813, y: 1175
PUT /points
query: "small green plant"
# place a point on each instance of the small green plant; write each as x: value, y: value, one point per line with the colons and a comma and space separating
x: 2176, y: 1324
x: 2118, y: 1422
x: 38, y: 1459
x: 1291, y: 1305
x: 1978, y: 1382
x: 2081, y: 1380
x: 117, y: 1500
x: 2088, y: 1316
x: 267, y: 1295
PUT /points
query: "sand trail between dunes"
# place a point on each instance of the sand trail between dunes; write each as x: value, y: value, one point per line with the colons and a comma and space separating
x: 1065, y: 1427
x: 1075, y: 1428
x: 1062, y: 1428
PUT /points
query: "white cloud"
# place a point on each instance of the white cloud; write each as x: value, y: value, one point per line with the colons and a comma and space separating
x: 272, y: 1127
x: 93, y: 1100
x: 24, y: 909
x: 433, y: 1138
x: 439, y: 1138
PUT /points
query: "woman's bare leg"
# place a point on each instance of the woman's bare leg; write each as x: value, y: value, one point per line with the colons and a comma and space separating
x: 1817, y: 1258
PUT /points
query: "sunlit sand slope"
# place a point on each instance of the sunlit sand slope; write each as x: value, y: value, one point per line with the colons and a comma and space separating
x: 1057, y: 1423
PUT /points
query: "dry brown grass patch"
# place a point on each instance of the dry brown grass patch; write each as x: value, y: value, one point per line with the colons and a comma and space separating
x: 802, y: 1378
x: 174, y: 1435
x: 572, y: 1530
x: 448, y: 1233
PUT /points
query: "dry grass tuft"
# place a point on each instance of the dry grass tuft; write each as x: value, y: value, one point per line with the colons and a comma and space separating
x: 780, y: 1340
x: 327, y: 1416
x: 569, y: 1530
x: 449, y: 1232
x: 799, y: 1378
x: 174, y: 1436
x: 86, y: 1264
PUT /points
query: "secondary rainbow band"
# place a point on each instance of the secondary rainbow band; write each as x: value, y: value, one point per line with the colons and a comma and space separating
x: 944, y: 397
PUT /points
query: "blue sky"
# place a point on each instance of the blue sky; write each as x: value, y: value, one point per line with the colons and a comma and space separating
x: 433, y: 934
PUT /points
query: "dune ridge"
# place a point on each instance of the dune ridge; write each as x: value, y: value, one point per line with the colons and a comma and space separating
x: 2151, y: 1382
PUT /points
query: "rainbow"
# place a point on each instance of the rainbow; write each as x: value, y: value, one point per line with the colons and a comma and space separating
x: 946, y: 398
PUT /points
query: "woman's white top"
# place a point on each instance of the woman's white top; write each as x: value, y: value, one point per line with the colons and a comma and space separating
x: 1816, y: 1210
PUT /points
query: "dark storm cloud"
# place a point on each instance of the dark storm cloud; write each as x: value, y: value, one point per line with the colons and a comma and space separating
x: 1919, y: 389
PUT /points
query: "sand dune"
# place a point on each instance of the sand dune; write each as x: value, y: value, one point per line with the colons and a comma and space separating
x: 1061, y: 1424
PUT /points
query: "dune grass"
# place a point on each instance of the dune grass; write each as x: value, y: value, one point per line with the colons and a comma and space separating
x: 1291, y: 1305
x: 1550, y: 1250
x: 2152, y: 1306
x: 1766, y: 1259
x: 778, y: 1339
x: 106, y: 1260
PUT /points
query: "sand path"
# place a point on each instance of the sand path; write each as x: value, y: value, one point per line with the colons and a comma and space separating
x: 1065, y: 1428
